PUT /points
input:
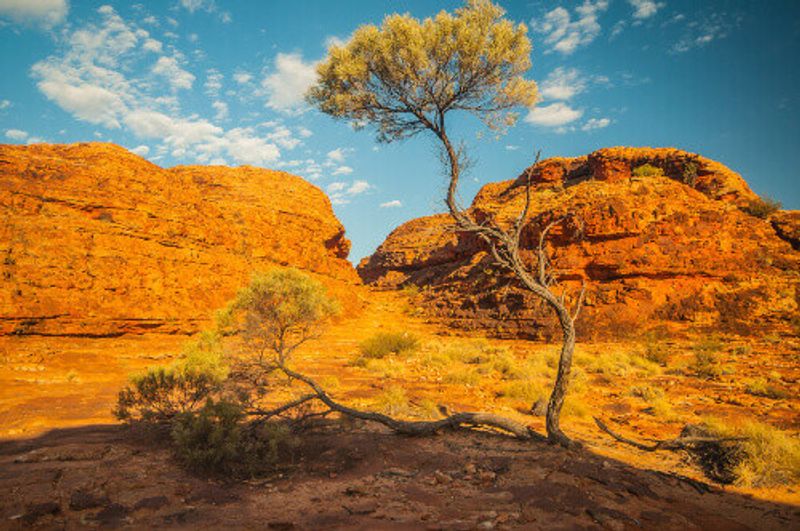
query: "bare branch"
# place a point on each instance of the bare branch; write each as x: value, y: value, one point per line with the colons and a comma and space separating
x: 679, y: 443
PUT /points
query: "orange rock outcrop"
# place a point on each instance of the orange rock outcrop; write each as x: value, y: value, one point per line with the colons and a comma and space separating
x: 676, y: 250
x: 96, y: 241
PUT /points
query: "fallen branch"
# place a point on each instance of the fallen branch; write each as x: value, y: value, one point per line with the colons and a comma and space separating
x: 464, y: 420
x: 679, y: 443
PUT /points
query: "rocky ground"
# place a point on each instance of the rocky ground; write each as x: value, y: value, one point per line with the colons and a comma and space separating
x: 360, y: 479
x: 90, y: 473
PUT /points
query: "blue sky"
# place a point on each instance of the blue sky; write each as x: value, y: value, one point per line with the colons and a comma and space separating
x: 215, y: 81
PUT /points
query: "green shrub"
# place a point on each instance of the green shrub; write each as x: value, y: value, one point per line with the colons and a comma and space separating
x: 161, y: 393
x: 766, y: 457
x: 689, y: 173
x: 705, y: 364
x: 648, y: 170
x: 646, y: 392
x: 762, y: 208
x: 655, y: 350
x: 384, y: 343
x: 762, y: 387
x: 215, y: 440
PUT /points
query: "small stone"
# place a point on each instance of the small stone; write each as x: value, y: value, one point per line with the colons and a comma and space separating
x: 470, y: 468
x: 441, y: 477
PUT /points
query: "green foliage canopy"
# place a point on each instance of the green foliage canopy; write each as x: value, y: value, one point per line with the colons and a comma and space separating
x: 404, y: 76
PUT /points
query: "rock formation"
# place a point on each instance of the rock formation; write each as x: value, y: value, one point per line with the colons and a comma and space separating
x: 672, y: 246
x: 96, y: 241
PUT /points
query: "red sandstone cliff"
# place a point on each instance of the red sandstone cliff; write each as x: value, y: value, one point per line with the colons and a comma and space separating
x: 95, y: 240
x: 677, y: 250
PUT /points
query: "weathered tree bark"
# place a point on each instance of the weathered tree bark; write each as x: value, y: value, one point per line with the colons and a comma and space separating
x: 505, y: 246
x: 679, y: 443
x: 465, y: 420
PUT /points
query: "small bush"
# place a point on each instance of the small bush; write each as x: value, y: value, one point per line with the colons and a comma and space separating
x: 646, y: 392
x: 689, y: 173
x: 656, y: 351
x: 215, y: 440
x: 384, y: 343
x: 528, y: 391
x: 762, y: 387
x: 161, y: 393
x: 648, y: 170
x: 393, y: 401
x: 705, y: 364
x: 766, y: 457
x: 762, y: 208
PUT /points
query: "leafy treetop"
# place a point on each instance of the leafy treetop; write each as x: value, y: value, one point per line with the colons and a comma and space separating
x: 406, y: 75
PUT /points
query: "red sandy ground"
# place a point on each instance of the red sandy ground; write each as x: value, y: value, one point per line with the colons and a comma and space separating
x: 363, y: 477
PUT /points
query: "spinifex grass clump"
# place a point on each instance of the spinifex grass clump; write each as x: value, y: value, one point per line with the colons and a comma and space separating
x: 382, y: 344
x: 763, y: 457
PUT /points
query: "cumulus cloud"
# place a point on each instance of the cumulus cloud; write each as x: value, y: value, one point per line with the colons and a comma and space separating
x: 242, y: 77
x: 174, y: 74
x: 209, y: 6
x: 643, y: 9
x: 562, y: 84
x: 565, y: 33
x: 395, y: 203
x: 343, y: 170
x: 4, y: 104
x: 554, y: 115
x: 43, y: 13
x: 289, y: 81
x: 595, y: 123
x: 91, y: 77
x: 222, y: 110
x: 342, y: 192
x: 141, y: 150
x: 336, y: 155
x: 16, y: 134
x: 213, y: 82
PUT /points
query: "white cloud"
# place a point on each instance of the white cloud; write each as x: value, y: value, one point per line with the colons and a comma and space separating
x: 194, y: 5
x: 242, y: 77
x: 562, y: 84
x: 16, y: 134
x: 282, y: 136
x: 44, y: 13
x: 341, y: 192
x: 303, y: 132
x: 699, y: 33
x: 565, y: 35
x: 645, y: 8
x: 141, y: 150
x: 343, y: 170
x: 358, y: 187
x: 595, y: 123
x: 395, y: 203
x: 152, y: 45
x: 287, y: 84
x: 510, y: 147
x: 336, y: 155
x: 222, y: 110
x: 213, y: 82
x: 174, y: 74
x: 554, y: 115
x: 4, y: 104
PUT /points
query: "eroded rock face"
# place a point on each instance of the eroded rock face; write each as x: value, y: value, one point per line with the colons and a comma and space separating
x: 674, y: 250
x: 97, y: 241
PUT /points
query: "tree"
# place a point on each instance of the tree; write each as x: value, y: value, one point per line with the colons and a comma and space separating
x: 406, y: 77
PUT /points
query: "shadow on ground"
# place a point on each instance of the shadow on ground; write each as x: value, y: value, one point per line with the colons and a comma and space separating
x: 359, y: 479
